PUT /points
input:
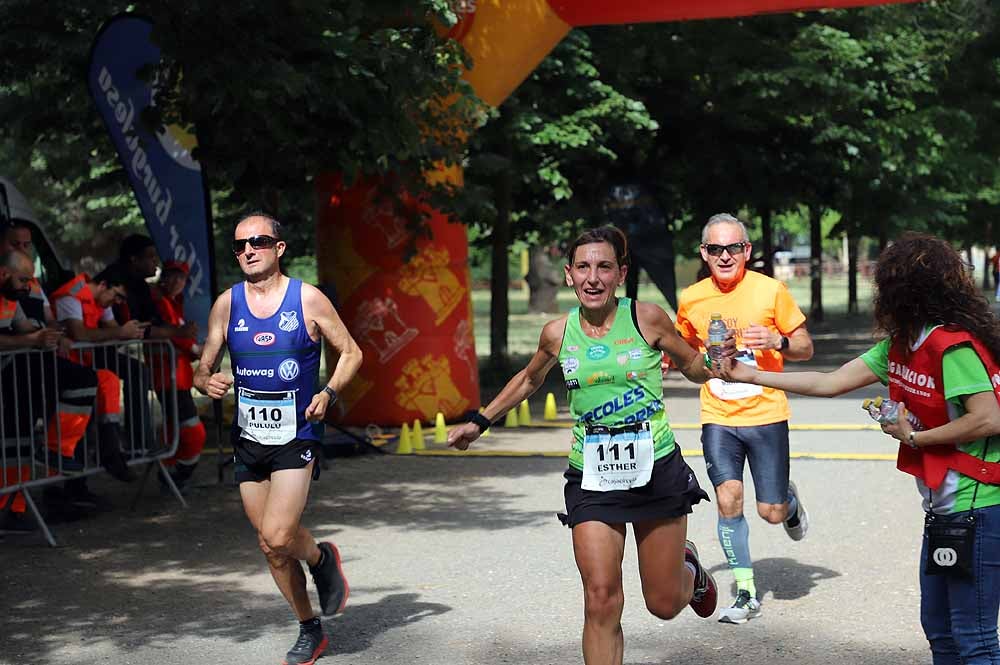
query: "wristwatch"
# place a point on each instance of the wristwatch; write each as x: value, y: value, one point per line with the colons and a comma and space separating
x: 331, y: 392
x: 478, y: 418
x: 784, y: 343
x: 911, y: 440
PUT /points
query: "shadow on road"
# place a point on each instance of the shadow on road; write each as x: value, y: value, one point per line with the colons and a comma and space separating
x: 361, y: 624
x: 783, y: 578
x: 146, y: 579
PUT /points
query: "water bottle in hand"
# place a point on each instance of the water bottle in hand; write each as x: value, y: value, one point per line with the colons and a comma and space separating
x: 887, y: 411
x: 716, y: 337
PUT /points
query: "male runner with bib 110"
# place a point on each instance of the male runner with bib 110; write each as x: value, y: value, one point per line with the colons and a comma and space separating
x: 273, y: 325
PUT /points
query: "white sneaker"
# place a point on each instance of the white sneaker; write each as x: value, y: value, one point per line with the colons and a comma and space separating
x: 797, y: 532
x: 745, y: 608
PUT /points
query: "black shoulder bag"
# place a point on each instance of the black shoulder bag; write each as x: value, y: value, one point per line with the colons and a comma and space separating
x: 950, y: 542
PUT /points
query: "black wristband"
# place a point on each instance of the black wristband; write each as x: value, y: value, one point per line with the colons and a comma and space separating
x: 478, y: 418
x: 784, y: 343
x: 331, y: 392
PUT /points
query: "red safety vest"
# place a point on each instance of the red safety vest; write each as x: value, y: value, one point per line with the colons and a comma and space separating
x: 918, y: 381
x: 77, y: 288
x: 172, y: 312
x: 8, y: 308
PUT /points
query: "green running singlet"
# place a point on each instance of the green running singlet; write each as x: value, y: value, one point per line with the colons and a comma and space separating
x: 613, y: 380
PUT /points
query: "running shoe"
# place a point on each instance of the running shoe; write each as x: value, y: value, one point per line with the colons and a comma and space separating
x: 330, y: 581
x: 797, y: 532
x: 310, y: 646
x: 745, y: 608
x: 706, y: 595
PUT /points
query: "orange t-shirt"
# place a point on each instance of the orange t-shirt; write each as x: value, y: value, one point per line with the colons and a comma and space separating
x: 756, y: 299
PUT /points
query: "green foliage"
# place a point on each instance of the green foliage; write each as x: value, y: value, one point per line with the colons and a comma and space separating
x: 885, y: 114
x: 557, y: 139
x: 884, y: 118
x: 278, y: 92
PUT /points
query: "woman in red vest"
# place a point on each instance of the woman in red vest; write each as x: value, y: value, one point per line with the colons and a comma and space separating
x: 168, y: 295
x: 938, y: 357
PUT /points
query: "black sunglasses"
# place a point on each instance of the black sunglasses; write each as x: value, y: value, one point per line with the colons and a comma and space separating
x: 733, y: 249
x: 257, y: 242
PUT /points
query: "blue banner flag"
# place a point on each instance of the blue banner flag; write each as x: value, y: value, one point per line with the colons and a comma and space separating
x: 167, y: 181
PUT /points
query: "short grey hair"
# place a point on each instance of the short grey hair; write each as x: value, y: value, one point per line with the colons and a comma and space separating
x: 275, y: 224
x: 723, y: 218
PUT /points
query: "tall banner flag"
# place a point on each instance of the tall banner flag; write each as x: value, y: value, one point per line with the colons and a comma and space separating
x: 167, y: 181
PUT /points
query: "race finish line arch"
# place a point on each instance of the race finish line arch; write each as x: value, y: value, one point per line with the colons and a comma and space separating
x: 413, y: 319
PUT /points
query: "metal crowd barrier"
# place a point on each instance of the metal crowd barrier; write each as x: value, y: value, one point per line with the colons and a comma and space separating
x: 32, y: 393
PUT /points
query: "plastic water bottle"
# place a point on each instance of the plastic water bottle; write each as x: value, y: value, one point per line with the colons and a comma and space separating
x: 887, y: 411
x: 716, y: 337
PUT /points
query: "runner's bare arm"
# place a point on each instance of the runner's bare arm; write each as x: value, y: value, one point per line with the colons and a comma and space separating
x: 521, y: 385
x: 659, y: 332
x: 849, y: 376
x: 324, y: 320
x: 206, y: 379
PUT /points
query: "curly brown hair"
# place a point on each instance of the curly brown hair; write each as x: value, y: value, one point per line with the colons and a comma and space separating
x: 921, y: 280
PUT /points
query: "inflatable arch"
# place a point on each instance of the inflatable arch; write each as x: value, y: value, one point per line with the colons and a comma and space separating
x: 413, y: 319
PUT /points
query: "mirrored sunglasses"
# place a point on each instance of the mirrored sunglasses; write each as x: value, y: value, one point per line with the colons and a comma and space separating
x: 256, y: 242
x: 733, y: 248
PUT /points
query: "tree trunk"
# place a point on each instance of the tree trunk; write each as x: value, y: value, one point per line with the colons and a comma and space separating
x: 816, y: 264
x: 500, y: 270
x: 767, y: 241
x: 543, y: 281
x: 883, y: 233
x: 852, y: 272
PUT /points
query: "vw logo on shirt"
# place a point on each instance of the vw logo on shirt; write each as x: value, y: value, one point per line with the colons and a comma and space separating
x: 288, y: 370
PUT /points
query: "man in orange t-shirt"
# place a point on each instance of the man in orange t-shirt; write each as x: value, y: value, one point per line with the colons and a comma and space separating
x: 740, y: 421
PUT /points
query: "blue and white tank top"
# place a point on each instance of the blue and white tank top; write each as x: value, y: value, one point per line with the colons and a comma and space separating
x: 275, y: 368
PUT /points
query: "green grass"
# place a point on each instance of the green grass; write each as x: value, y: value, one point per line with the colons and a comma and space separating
x: 522, y: 337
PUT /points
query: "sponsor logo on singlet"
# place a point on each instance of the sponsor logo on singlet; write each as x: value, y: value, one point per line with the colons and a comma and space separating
x: 628, y: 398
x: 241, y: 326
x: 266, y: 372
x: 264, y: 338
x: 289, y: 321
x: 598, y: 352
x: 572, y: 384
x: 570, y: 365
x: 288, y: 370
x: 600, y: 379
x: 625, y: 340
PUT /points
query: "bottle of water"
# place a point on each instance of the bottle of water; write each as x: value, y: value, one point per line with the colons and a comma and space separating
x: 887, y: 411
x: 716, y: 337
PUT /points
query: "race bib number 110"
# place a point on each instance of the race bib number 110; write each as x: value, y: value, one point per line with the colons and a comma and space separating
x: 267, y: 417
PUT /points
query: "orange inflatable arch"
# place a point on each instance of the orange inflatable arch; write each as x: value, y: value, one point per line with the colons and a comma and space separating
x: 413, y: 319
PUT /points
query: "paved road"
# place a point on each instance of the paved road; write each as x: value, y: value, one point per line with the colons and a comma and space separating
x: 461, y: 561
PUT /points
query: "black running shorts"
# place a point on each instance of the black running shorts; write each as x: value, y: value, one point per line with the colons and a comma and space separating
x: 255, y: 462
x: 670, y: 492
